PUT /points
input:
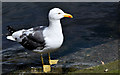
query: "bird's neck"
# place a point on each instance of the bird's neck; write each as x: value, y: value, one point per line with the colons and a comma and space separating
x: 55, y: 25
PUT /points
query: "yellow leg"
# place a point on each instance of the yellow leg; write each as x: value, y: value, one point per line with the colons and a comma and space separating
x: 42, y: 60
x: 46, y: 68
x: 52, y: 61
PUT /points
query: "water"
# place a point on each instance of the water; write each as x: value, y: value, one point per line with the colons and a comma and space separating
x: 93, y: 24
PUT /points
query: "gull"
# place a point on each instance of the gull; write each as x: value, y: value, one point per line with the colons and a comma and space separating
x: 42, y: 39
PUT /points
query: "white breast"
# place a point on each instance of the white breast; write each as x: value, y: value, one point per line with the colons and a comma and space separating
x: 53, y: 39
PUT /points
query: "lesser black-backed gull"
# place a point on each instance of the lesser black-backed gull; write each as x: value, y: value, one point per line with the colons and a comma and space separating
x: 42, y: 39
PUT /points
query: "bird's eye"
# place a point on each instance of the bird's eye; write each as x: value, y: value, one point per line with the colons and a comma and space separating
x: 59, y: 13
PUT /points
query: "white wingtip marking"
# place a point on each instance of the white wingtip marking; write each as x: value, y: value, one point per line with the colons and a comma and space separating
x: 11, y: 38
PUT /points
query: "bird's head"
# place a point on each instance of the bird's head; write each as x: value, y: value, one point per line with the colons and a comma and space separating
x: 57, y: 14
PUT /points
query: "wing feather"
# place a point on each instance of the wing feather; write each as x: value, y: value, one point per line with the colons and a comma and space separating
x: 33, y: 38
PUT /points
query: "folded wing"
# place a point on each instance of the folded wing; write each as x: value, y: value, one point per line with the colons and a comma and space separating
x: 31, y: 39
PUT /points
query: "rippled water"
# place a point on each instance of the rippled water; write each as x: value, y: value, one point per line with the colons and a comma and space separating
x: 93, y: 24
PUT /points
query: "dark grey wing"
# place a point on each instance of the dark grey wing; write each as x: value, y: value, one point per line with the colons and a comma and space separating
x: 33, y: 39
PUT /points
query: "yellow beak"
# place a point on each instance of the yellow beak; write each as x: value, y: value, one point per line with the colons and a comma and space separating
x: 68, y: 15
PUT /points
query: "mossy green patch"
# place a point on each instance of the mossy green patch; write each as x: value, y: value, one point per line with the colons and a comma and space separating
x: 111, y: 67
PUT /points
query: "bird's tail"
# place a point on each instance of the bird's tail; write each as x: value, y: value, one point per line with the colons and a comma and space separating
x: 11, y: 30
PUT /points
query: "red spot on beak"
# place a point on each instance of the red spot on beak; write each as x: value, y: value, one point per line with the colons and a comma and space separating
x: 69, y: 16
